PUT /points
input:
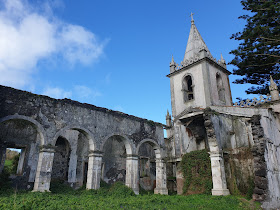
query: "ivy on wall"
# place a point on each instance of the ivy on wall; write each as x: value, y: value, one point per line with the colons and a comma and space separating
x: 196, y: 169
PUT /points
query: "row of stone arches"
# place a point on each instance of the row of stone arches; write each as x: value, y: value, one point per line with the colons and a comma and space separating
x: 55, y: 157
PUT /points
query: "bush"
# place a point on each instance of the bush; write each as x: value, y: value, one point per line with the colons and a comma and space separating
x: 196, y: 168
x: 118, y: 189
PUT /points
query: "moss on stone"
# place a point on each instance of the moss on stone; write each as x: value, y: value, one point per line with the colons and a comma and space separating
x: 196, y: 169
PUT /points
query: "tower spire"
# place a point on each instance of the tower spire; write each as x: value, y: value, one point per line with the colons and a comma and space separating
x: 195, y: 43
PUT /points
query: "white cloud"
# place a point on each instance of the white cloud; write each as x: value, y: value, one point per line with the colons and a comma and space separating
x: 84, y: 92
x: 57, y: 93
x: 27, y: 36
x: 78, y: 92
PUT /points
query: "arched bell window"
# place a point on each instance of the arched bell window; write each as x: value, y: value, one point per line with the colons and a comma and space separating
x: 220, y: 87
x: 188, y: 88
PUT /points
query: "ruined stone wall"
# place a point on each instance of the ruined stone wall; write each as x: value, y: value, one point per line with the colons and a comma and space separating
x: 270, y: 187
x: 85, y: 127
x: 234, y: 137
x: 55, y: 114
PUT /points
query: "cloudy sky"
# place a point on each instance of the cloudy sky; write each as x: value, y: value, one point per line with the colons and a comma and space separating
x: 109, y: 53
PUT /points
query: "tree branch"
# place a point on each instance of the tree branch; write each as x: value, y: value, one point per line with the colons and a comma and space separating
x: 261, y: 65
x: 277, y: 56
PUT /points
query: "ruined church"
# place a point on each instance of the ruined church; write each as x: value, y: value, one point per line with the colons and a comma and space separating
x: 82, y: 144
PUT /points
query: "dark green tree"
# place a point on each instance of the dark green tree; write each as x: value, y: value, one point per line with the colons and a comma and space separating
x: 257, y: 56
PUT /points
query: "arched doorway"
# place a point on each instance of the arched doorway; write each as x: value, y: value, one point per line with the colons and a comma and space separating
x: 114, y: 160
x: 160, y: 175
x: 20, y: 139
x: 80, y: 142
x: 61, y: 160
x: 147, y: 167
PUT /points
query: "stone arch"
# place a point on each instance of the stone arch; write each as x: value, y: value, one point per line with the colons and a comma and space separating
x: 160, y: 187
x: 129, y: 146
x: 154, y: 144
x: 188, y: 88
x: 118, y: 152
x: 86, y: 132
x: 38, y: 126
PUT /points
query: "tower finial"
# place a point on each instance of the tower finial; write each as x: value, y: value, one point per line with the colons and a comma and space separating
x: 222, y: 59
x: 192, y: 20
x: 273, y: 89
x: 172, y: 62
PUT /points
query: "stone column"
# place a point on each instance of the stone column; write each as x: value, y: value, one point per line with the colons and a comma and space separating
x: 2, y: 157
x: 218, y: 174
x: 44, y: 170
x: 161, y: 183
x: 132, y: 174
x: 21, y: 161
x: 94, y: 170
x: 72, y: 167
x: 217, y: 160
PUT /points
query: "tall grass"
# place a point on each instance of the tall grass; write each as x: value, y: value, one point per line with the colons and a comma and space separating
x: 117, y: 196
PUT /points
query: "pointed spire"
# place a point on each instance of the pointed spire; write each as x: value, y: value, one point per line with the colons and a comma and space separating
x: 167, y: 115
x: 168, y: 119
x: 172, y: 61
x: 222, y: 58
x: 195, y: 43
x: 273, y: 90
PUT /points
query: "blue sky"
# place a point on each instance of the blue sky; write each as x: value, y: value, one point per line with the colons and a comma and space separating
x: 109, y: 53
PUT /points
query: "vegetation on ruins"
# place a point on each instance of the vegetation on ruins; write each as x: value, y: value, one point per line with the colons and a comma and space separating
x: 257, y: 56
x: 196, y: 168
x: 117, y: 196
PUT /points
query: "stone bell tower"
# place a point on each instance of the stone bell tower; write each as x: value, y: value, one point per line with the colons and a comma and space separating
x: 200, y: 80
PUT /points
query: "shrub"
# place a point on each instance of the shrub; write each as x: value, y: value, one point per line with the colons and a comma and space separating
x: 196, y: 168
x: 118, y: 189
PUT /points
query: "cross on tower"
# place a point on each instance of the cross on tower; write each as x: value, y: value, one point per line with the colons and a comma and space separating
x: 192, y: 16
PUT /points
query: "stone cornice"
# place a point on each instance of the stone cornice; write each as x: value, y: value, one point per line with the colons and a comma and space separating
x: 198, y: 62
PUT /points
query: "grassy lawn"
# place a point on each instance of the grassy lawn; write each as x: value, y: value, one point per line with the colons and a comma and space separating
x: 118, y: 197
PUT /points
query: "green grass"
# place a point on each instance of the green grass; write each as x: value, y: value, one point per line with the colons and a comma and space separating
x: 8, y: 163
x: 116, y: 197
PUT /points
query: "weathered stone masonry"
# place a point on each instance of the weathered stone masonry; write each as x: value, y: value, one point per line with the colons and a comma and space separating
x: 85, y: 129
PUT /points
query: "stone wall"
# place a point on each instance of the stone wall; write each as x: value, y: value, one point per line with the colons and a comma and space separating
x: 86, y: 128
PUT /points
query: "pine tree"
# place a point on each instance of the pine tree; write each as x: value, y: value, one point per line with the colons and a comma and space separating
x: 257, y: 56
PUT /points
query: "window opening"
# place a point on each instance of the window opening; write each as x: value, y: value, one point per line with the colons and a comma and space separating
x: 188, y: 89
x: 14, y: 160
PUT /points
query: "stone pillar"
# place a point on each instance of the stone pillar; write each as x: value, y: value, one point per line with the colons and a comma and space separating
x: 217, y: 160
x: 132, y: 174
x: 44, y: 170
x: 161, y: 183
x: 218, y: 174
x: 72, y: 167
x: 2, y: 157
x: 21, y: 161
x: 94, y: 170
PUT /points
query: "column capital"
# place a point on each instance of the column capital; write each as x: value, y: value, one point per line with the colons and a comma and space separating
x: 95, y: 153
x: 160, y: 160
x: 47, y: 148
x: 132, y: 157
